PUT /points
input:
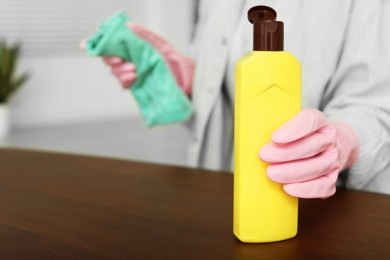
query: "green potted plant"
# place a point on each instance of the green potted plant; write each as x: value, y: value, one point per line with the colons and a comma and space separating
x: 10, y: 82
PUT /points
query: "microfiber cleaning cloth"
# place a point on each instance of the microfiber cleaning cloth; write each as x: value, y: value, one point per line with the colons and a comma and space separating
x: 156, y: 91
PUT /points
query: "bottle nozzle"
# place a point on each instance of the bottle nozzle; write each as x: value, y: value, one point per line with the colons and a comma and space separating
x: 267, y: 32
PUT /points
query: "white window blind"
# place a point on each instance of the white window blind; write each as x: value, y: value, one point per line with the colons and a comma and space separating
x: 48, y: 27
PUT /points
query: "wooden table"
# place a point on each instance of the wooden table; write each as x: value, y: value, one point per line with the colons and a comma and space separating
x: 62, y: 206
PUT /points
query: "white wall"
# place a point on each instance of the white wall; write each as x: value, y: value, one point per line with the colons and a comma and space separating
x: 78, y: 88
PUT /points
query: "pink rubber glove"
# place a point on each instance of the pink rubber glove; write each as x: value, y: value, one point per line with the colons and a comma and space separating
x: 182, y: 67
x: 307, y: 154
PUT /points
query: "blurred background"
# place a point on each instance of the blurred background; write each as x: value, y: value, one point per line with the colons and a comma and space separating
x: 71, y: 102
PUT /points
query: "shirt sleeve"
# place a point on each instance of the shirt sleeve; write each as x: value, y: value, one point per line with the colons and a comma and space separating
x: 359, y: 92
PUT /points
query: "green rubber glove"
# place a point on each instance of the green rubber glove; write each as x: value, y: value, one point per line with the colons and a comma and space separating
x: 156, y: 91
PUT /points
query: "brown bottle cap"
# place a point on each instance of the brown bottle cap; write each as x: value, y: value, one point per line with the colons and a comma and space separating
x: 267, y: 32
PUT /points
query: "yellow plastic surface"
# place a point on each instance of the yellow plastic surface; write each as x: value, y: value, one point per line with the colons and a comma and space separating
x: 267, y: 94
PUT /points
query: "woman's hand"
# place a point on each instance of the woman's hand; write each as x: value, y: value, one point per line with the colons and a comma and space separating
x: 126, y: 72
x: 307, y: 154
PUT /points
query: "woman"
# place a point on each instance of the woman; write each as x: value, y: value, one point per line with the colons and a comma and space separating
x: 345, y: 121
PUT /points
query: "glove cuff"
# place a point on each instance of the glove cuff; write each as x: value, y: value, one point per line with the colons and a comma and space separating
x: 347, y: 143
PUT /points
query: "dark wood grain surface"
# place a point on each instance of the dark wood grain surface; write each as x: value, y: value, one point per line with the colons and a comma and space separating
x: 62, y: 206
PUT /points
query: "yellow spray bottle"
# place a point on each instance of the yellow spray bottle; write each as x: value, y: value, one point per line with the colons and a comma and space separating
x: 267, y: 94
